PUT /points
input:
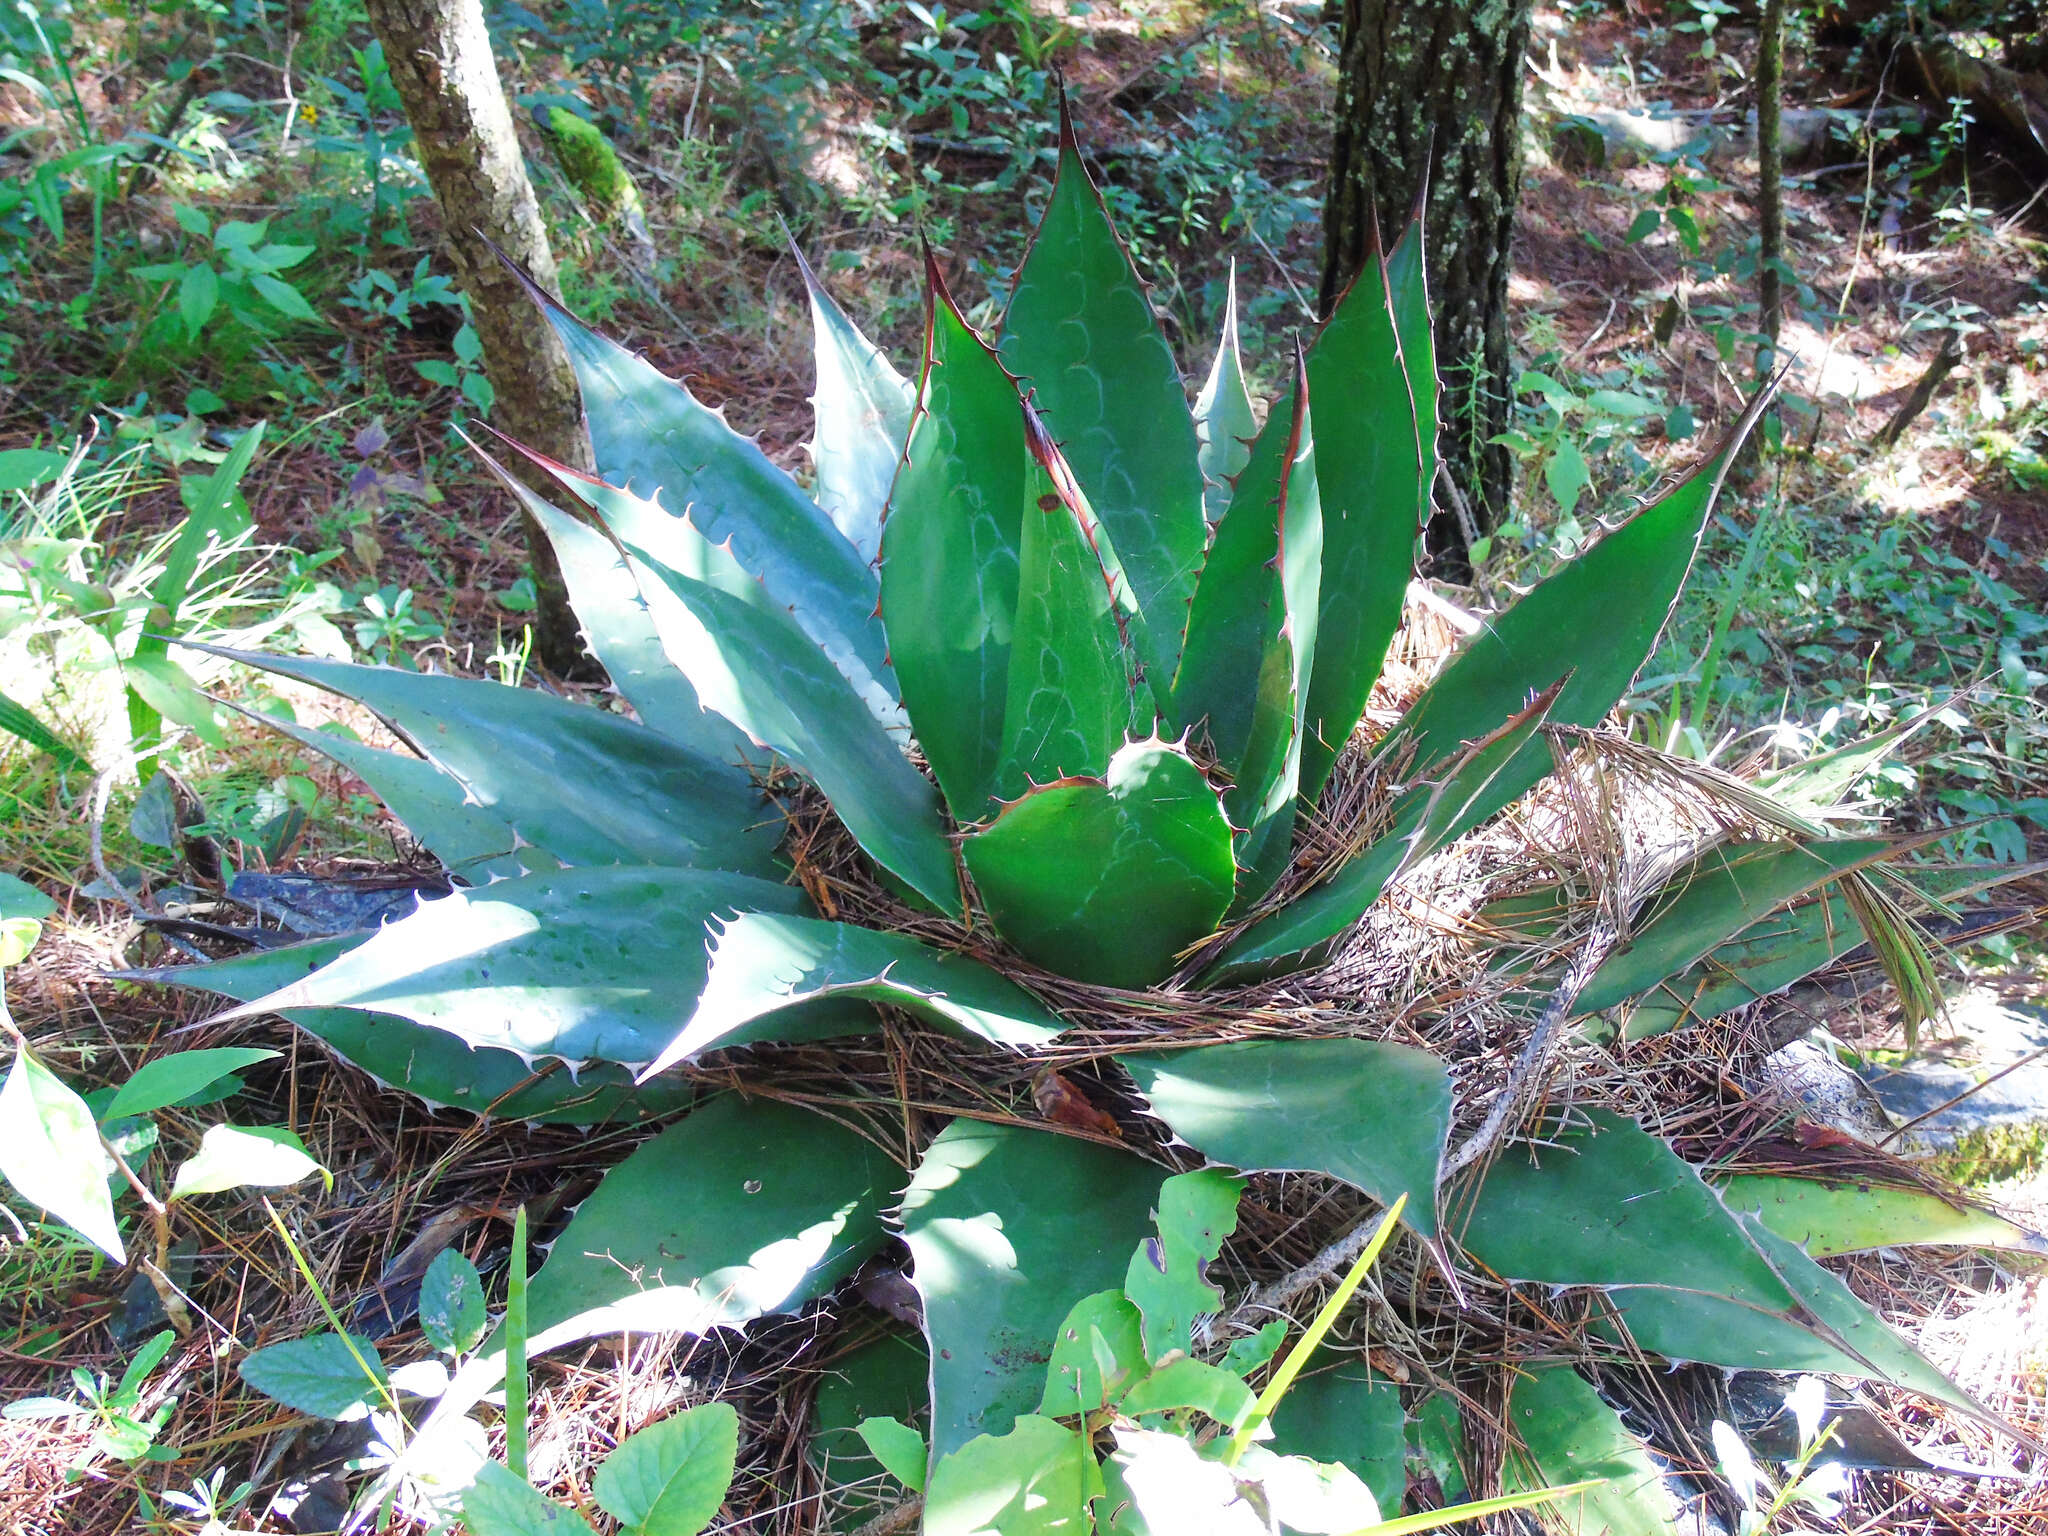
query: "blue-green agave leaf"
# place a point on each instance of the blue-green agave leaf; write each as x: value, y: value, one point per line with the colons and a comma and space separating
x: 742, y: 1209
x: 756, y: 668
x: 949, y: 555
x: 1223, y: 414
x: 1108, y: 880
x: 430, y: 1063
x: 1081, y: 334
x: 1563, y: 1433
x: 1251, y: 642
x: 862, y: 415
x: 649, y: 434
x: 580, y: 964
x: 766, y: 964
x: 1071, y: 683
x: 992, y: 1218
x: 1371, y: 1113
x: 586, y: 786
x: 1374, y: 501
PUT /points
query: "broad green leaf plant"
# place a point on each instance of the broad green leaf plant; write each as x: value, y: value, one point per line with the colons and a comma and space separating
x: 1074, y: 664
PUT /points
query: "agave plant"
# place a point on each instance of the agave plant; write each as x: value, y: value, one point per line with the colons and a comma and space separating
x: 1074, y: 664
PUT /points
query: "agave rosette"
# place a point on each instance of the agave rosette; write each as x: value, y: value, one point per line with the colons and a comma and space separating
x: 1127, y: 638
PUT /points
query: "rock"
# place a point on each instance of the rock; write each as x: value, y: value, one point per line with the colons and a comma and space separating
x: 1989, y: 1035
x: 1805, y: 1076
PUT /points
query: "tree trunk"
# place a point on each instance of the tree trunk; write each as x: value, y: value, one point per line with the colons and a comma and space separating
x: 1433, y: 89
x: 1770, y: 181
x: 440, y: 60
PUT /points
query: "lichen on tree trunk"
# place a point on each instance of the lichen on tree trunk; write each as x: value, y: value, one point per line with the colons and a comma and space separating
x: 439, y: 55
x: 1433, y: 88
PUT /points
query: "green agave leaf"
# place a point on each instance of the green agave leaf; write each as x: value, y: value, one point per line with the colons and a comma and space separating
x: 1097, y: 1352
x: 1783, y: 948
x: 949, y: 555
x: 589, y: 787
x: 1070, y: 686
x: 1593, y: 623
x: 991, y: 1218
x: 616, y: 624
x: 435, y: 808
x: 1609, y: 1204
x: 1567, y: 1434
x: 1835, y: 1333
x: 737, y: 1211
x: 1108, y: 880
x: 1166, y: 1280
x: 648, y: 432
x: 1038, y: 1479
x: 888, y: 1377
x: 1374, y: 500
x: 584, y: 964
x: 1828, y: 1217
x: 430, y: 1063
x: 1081, y: 334
x: 1339, y: 1411
x: 765, y: 964
x: 862, y: 413
x: 1429, y: 815
x: 1252, y: 637
x: 1373, y: 1114
x: 1224, y: 421
x: 1408, y: 290
x: 760, y: 672
x: 1715, y: 897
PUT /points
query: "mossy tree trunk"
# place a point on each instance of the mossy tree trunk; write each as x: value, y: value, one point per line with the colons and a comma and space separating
x: 1433, y: 88
x: 440, y: 59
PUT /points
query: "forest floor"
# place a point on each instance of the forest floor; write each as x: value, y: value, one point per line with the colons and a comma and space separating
x: 1843, y: 585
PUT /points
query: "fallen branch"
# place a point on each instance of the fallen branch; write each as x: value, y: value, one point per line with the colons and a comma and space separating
x: 1924, y: 389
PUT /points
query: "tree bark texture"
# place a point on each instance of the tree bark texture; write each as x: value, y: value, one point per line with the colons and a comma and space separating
x: 1770, y: 179
x: 1432, y: 90
x: 439, y: 54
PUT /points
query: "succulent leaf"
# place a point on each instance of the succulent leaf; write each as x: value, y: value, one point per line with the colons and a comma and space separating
x: 430, y: 1063
x: 765, y: 967
x: 649, y: 434
x: 741, y: 1209
x: 618, y: 629
x: 1252, y: 636
x: 1610, y: 1205
x: 580, y: 964
x: 587, y: 786
x: 1408, y: 289
x: 1374, y: 500
x: 434, y: 807
x: 1223, y: 415
x: 756, y: 668
x: 887, y: 1377
x: 862, y: 408
x: 990, y: 1218
x: 1593, y: 622
x: 1430, y: 814
x: 1826, y: 1217
x: 949, y: 557
x: 1778, y: 950
x: 1834, y: 1332
x: 1567, y: 1434
x: 1081, y: 334
x: 1108, y: 880
x: 1071, y: 687
x: 1371, y: 1113
x: 1719, y: 894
